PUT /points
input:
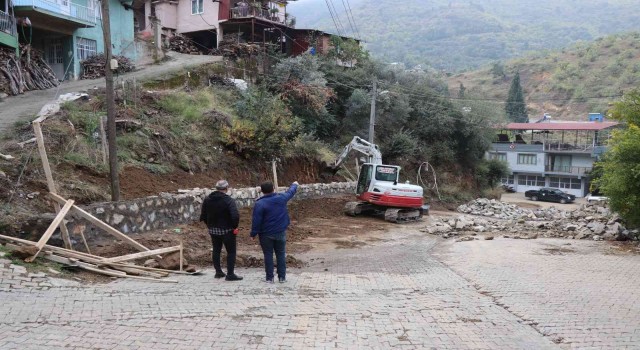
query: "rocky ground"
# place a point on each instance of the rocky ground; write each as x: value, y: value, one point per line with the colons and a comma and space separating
x: 492, y: 217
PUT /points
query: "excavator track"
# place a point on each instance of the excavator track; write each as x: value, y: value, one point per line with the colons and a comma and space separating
x: 396, y: 215
x: 402, y: 215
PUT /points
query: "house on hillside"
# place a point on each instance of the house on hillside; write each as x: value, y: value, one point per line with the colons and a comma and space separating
x: 555, y: 154
x: 206, y: 22
x: 69, y: 31
x: 8, y: 32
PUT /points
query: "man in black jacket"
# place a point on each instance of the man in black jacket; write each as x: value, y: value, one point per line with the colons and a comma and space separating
x: 220, y: 213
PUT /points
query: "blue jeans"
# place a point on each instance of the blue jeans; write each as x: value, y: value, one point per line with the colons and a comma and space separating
x: 269, y: 244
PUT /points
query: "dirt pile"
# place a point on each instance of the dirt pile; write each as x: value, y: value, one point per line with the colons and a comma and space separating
x: 494, y: 217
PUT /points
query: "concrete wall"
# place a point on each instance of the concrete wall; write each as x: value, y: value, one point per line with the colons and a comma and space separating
x: 167, y: 13
x: 166, y: 210
x: 186, y: 22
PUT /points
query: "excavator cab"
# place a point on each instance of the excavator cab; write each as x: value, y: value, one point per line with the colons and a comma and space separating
x: 387, y: 173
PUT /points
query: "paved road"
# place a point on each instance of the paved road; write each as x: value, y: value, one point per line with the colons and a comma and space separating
x: 393, y: 292
x: 27, y: 105
x: 581, y: 294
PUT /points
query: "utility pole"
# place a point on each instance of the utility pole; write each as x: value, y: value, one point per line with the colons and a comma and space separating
x: 111, y: 108
x: 372, y: 117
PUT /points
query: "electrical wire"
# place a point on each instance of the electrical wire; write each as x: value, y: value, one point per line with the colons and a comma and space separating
x: 337, y: 17
x: 420, y: 182
x: 332, y: 17
x: 351, y: 23
x: 354, y: 20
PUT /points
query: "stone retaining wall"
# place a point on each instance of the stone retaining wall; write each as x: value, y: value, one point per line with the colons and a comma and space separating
x: 167, y: 209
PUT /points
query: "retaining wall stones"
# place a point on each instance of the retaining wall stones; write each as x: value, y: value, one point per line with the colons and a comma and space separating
x: 169, y: 209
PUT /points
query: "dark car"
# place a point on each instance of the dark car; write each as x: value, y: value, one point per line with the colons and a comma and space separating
x: 550, y: 195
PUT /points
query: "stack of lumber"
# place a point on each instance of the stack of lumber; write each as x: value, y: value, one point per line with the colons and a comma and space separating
x: 30, y: 72
x: 118, y: 266
x: 93, y: 67
x: 183, y: 44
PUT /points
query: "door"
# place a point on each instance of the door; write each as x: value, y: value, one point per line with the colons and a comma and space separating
x: 55, y: 58
x: 364, y: 180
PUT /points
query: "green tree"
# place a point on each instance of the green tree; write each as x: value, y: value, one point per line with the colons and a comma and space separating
x: 489, y: 172
x: 621, y: 165
x: 461, y: 91
x: 516, y: 108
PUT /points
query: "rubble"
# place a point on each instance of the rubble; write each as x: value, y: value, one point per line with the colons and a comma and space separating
x: 493, y: 217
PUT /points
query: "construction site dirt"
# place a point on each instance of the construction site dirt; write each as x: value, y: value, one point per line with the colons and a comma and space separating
x: 316, y: 224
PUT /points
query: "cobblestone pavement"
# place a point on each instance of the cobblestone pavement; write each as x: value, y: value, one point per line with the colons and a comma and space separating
x: 580, y: 294
x: 391, y: 294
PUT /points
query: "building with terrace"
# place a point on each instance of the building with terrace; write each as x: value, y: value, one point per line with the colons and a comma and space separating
x: 69, y: 31
x: 8, y: 32
x: 554, y: 154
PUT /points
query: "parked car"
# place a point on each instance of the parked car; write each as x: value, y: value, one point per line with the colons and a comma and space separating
x: 596, y: 196
x: 550, y: 195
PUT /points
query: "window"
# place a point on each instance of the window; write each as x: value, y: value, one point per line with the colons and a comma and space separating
x: 86, y: 48
x: 560, y: 163
x: 498, y: 156
x: 531, y: 180
x: 530, y: 159
x: 565, y: 182
x: 509, y: 180
x: 386, y: 173
x: 197, y: 7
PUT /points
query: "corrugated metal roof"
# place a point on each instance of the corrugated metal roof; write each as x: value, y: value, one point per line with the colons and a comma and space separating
x: 560, y: 126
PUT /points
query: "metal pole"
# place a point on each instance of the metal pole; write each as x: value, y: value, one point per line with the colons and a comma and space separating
x: 372, y: 117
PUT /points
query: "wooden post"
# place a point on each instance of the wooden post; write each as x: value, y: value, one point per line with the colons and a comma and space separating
x: 275, y: 175
x: 181, y: 254
x: 110, y: 101
x: 37, y: 129
x: 52, y: 228
x: 103, y: 141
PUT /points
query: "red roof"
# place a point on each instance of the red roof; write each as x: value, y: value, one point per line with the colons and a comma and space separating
x: 561, y: 126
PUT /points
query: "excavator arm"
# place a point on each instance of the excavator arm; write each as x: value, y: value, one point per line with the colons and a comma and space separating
x: 362, y: 146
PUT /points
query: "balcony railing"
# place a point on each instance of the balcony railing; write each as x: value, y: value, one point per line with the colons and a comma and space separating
x: 7, y: 23
x: 573, y: 170
x: 250, y: 11
x: 566, y: 147
x: 64, y: 7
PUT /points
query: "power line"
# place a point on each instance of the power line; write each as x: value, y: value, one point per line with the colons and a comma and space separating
x: 349, y: 18
x: 338, y: 17
x: 354, y: 20
x: 332, y: 17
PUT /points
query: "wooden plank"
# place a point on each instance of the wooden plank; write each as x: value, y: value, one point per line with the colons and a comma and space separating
x: 48, y: 175
x: 101, y: 224
x: 93, y: 268
x: 137, y: 272
x: 156, y: 269
x: 58, y: 250
x: 140, y: 255
x: 181, y: 254
x: 52, y: 228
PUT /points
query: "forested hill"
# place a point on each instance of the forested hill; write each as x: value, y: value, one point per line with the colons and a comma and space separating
x: 568, y: 83
x: 456, y: 35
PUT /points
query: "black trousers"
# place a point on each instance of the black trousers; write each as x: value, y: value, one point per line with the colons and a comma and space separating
x: 229, y: 242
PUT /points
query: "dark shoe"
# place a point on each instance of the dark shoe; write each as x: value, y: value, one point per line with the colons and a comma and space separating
x: 233, y: 277
x: 281, y: 279
x: 220, y: 275
x: 269, y: 281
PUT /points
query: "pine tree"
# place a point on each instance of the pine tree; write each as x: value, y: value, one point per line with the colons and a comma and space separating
x: 516, y: 108
x: 461, y: 91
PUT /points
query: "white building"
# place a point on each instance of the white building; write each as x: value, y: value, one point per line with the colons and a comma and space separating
x: 551, y: 154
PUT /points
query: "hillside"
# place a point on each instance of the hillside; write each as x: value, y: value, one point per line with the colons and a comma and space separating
x: 568, y: 84
x: 457, y: 35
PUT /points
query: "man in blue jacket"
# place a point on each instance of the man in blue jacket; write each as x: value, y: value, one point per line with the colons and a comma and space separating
x: 270, y: 222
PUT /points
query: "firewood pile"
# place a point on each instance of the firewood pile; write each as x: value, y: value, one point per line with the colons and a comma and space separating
x: 233, y: 47
x: 93, y: 67
x: 30, y: 72
x: 183, y: 44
